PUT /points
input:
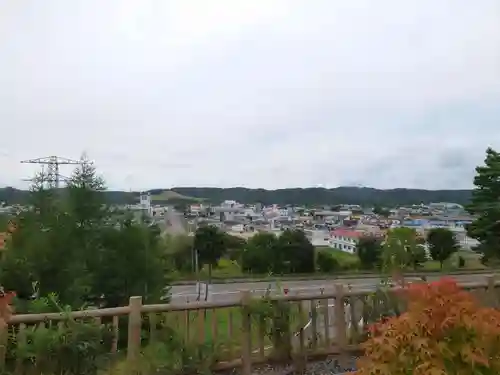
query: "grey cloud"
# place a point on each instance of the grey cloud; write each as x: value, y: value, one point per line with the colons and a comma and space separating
x: 454, y: 159
x: 267, y: 94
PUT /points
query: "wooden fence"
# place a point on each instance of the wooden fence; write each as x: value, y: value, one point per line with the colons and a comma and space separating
x: 324, y: 324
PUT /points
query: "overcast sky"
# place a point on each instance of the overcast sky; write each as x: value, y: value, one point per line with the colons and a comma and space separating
x: 261, y: 93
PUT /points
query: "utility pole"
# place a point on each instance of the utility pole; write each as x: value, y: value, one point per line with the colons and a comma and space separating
x: 52, y: 164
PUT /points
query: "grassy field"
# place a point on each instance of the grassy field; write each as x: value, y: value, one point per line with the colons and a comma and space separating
x: 167, y: 195
x: 346, y: 261
x: 472, y: 261
x: 348, y: 265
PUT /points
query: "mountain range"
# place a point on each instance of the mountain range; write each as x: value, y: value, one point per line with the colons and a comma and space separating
x: 298, y: 196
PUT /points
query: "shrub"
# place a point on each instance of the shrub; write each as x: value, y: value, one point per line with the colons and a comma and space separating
x: 171, y: 354
x: 67, y: 347
x: 325, y: 262
x: 72, y: 347
x: 444, y: 331
x: 274, y: 318
x: 381, y: 304
x: 5, y: 307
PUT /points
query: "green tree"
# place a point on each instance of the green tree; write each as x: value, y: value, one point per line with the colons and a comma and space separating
x: 418, y: 255
x: 41, y: 252
x: 210, y: 246
x: 291, y: 252
x: 297, y: 252
x: 70, y: 243
x: 179, y: 253
x: 260, y: 255
x: 325, y: 261
x: 369, y: 251
x: 485, y: 206
x: 234, y: 246
x: 442, y: 244
x: 86, y: 215
x: 377, y: 210
x: 130, y: 259
x: 402, y: 248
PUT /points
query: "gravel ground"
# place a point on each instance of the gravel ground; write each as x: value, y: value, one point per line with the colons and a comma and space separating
x: 328, y: 366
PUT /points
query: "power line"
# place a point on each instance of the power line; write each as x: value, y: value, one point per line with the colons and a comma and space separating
x: 50, y: 170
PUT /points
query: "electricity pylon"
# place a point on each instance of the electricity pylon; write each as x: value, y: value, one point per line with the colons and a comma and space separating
x: 51, y: 174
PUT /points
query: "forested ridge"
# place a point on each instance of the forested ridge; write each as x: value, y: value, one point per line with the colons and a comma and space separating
x: 296, y: 196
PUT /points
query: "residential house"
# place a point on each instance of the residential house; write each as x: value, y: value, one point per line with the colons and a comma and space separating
x: 345, y: 239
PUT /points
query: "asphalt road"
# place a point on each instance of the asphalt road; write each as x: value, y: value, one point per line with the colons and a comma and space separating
x: 229, y: 292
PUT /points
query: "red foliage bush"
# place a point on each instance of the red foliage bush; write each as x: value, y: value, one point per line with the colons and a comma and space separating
x: 444, y: 332
x: 5, y: 308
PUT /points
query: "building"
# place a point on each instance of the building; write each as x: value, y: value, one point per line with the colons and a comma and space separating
x: 318, y: 237
x: 445, y: 206
x: 345, y: 240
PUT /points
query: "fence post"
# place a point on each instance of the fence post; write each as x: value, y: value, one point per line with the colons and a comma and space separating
x: 134, y: 333
x: 301, y: 358
x: 246, y: 345
x: 491, y: 292
x: 340, y: 323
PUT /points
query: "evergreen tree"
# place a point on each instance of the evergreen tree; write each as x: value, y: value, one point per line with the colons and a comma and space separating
x: 70, y: 243
x: 41, y: 252
x: 130, y: 263
x: 485, y: 205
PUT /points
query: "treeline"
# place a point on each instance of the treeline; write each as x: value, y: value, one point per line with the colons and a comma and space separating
x: 10, y: 196
x: 308, y: 196
x: 292, y: 253
x: 320, y: 196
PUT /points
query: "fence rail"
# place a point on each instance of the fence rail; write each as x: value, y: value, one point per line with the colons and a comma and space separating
x: 323, y: 323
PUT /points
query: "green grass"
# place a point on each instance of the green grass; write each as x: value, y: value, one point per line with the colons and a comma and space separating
x: 167, y: 195
x: 346, y: 260
x: 472, y: 262
x: 228, y: 270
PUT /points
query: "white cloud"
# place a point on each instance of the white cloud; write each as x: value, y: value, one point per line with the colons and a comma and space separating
x: 256, y: 93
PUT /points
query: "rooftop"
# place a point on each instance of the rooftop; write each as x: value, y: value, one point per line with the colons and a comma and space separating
x: 346, y: 233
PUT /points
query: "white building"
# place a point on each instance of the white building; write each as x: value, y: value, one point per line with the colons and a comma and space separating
x: 345, y: 240
x: 318, y: 238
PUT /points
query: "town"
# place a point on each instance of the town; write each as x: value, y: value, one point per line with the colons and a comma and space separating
x: 338, y: 227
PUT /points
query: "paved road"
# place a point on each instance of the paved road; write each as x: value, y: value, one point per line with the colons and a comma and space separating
x: 229, y: 292
x: 175, y: 223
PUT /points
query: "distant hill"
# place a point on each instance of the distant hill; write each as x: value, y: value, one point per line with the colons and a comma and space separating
x: 158, y: 196
x: 297, y: 196
x: 169, y: 196
x: 11, y: 195
x: 322, y: 196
